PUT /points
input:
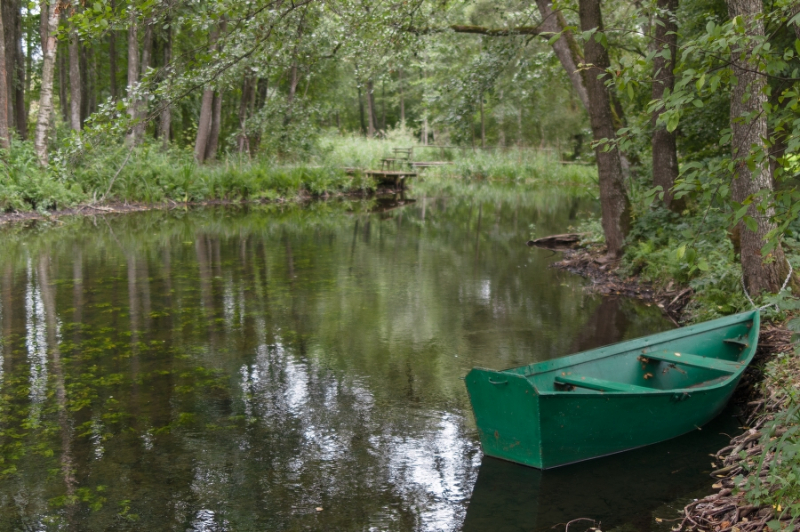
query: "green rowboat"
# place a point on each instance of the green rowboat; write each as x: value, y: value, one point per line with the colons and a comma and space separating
x: 614, y: 398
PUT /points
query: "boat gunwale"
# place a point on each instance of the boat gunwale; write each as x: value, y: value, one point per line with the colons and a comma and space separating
x: 637, y: 343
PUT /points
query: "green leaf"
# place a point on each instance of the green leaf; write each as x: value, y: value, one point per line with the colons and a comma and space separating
x: 751, y: 223
x: 702, y: 265
x: 697, y: 103
x: 672, y: 123
x: 680, y: 252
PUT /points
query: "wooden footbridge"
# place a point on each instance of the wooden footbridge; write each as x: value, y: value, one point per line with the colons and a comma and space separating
x: 391, y: 172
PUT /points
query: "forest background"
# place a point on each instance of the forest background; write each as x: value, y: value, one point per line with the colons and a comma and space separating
x: 691, y: 110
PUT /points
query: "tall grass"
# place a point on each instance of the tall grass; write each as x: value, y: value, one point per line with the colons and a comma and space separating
x: 151, y: 174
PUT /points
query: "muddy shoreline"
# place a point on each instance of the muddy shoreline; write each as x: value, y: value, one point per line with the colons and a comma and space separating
x: 726, y: 510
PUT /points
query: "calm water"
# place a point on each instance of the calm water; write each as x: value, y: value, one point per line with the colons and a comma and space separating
x: 286, y: 368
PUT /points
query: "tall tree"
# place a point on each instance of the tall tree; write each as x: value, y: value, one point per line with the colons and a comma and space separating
x: 749, y: 129
x: 141, y: 106
x: 51, y: 13
x: 565, y: 47
x: 665, y: 151
x: 370, y: 110
x: 165, y: 122
x: 4, y: 138
x: 7, y: 9
x: 74, y: 74
x: 20, y: 81
x: 133, y: 70
x: 205, y: 122
x: 112, y: 58
x: 613, y: 197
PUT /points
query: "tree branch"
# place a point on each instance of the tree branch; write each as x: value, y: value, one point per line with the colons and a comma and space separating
x: 498, y: 32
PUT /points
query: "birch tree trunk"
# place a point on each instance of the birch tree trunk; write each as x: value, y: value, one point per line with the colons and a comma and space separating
x: 613, y: 198
x: 74, y: 48
x: 665, y: 149
x: 4, y: 138
x: 48, y: 71
x: 747, y: 100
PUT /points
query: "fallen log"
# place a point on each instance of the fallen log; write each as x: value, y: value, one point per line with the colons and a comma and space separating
x: 566, y: 240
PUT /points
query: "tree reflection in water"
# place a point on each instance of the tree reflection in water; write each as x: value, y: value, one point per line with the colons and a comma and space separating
x: 239, y: 368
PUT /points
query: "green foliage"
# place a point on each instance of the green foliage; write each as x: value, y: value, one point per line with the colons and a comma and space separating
x: 24, y: 185
x: 521, y: 166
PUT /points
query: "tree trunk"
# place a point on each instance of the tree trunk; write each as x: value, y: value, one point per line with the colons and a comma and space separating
x: 74, y: 48
x: 141, y: 106
x: 7, y: 9
x: 383, y: 106
x: 133, y: 71
x: 565, y: 48
x: 48, y: 70
x: 402, y: 98
x: 216, y: 126
x: 5, y: 141
x: 370, y: 111
x: 294, y: 79
x: 204, y: 125
x: 112, y: 59
x: 206, y: 112
x: 483, y: 124
x: 165, y: 124
x: 361, y: 111
x: 244, y: 105
x: 63, y: 82
x: 20, y: 109
x: 613, y: 198
x: 91, y: 81
x: 665, y: 150
x: 747, y: 101
x: 371, y: 102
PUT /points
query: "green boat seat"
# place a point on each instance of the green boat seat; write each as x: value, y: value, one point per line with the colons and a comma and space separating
x: 741, y: 342
x: 600, y: 385
x: 696, y: 361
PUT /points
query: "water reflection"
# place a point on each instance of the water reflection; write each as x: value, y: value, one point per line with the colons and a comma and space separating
x: 623, y: 489
x: 274, y: 367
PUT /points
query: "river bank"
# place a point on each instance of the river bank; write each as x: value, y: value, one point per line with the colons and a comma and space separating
x: 756, y: 475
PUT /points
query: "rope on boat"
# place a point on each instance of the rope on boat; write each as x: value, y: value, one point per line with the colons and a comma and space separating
x: 785, y: 284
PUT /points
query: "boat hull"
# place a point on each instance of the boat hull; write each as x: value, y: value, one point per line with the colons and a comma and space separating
x: 519, y: 422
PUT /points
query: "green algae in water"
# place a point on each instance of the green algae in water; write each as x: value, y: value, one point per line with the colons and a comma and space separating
x: 239, y: 368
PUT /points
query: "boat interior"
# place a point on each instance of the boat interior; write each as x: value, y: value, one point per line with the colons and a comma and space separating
x: 682, y: 359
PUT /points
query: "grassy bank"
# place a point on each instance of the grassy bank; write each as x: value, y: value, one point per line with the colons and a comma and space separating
x: 150, y: 174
